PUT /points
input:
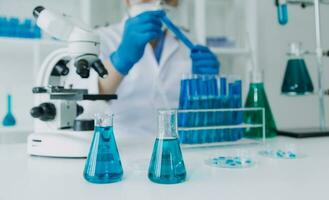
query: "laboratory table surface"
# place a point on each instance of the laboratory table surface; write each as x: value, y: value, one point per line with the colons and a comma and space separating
x: 26, y: 177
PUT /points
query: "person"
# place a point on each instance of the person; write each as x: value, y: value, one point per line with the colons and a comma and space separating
x: 145, y: 64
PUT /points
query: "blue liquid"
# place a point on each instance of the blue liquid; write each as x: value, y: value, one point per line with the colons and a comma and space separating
x: 167, y: 165
x: 12, y: 27
x: 235, y: 94
x: 9, y: 119
x: 283, y: 14
x: 223, y: 86
x: 178, y: 33
x: 103, y: 164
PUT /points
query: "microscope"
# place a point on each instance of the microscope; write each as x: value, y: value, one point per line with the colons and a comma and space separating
x: 58, y: 132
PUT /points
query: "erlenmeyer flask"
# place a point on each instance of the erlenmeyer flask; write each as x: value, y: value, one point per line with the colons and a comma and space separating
x: 167, y: 164
x: 103, y: 164
x: 257, y: 99
x: 297, y: 80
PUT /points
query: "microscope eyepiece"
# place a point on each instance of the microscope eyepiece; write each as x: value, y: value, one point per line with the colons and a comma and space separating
x: 99, y: 68
x: 61, y: 69
x: 37, y: 11
x: 82, y: 68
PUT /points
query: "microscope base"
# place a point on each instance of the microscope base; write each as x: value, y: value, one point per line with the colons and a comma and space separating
x: 61, y: 144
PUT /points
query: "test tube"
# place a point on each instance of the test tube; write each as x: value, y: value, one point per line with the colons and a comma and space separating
x: 282, y: 9
x: 224, y: 103
x: 239, y: 115
x: 183, y: 105
x: 231, y: 115
x: 196, y: 120
x: 213, y: 93
x: 192, y: 118
x: 223, y: 86
x: 14, y: 27
x: 2, y: 25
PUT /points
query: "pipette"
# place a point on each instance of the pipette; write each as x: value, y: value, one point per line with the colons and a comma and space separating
x: 178, y: 33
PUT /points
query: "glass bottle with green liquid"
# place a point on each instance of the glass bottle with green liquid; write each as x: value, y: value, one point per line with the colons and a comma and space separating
x: 257, y: 99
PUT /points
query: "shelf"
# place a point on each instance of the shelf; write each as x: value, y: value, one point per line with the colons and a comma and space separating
x: 25, y: 46
x: 231, y: 51
x: 31, y: 50
x: 26, y: 41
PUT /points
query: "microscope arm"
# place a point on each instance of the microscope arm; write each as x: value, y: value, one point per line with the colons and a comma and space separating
x: 48, y: 66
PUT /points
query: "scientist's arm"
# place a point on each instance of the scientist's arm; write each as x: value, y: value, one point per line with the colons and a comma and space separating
x: 138, y: 32
x: 110, y: 84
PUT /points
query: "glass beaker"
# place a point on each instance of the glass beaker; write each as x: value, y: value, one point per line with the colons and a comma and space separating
x: 257, y: 99
x: 103, y: 164
x: 167, y: 164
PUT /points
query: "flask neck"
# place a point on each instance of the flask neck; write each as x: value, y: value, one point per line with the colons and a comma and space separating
x: 167, y: 124
x: 103, y: 120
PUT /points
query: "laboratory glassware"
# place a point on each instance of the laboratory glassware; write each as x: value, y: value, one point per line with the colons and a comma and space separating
x: 167, y: 164
x: 103, y: 164
x: 297, y: 80
x: 257, y: 99
x: 322, y: 129
x: 178, y: 33
x: 282, y: 10
x: 9, y: 119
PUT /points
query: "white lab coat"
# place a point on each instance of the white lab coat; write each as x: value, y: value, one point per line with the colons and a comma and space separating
x: 139, y: 95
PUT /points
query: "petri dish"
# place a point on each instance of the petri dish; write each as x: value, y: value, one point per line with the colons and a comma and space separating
x: 230, y: 162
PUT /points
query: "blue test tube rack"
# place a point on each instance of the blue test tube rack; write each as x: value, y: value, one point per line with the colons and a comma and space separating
x: 207, y: 105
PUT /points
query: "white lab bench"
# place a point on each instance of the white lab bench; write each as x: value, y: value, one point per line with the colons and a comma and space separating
x: 36, y: 178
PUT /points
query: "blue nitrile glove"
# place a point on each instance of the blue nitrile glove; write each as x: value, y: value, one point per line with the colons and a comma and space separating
x: 138, y: 31
x: 204, y: 61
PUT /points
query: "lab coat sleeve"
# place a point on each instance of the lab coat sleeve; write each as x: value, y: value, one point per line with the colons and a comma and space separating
x: 109, y: 42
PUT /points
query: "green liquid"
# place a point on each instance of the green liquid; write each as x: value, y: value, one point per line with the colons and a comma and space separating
x: 257, y: 99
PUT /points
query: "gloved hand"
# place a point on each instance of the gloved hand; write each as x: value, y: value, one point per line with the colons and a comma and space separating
x: 138, y: 32
x: 204, y: 61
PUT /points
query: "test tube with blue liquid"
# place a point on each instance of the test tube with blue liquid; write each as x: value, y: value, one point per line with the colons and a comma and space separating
x: 212, y: 88
x: 282, y: 11
x: 231, y: 115
x: 196, y: 91
x: 167, y: 164
x: 186, y: 102
x: 237, y: 91
x: 103, y: 164
x: 235, y: 102
x: 222, y: 102
x: 183, y: 119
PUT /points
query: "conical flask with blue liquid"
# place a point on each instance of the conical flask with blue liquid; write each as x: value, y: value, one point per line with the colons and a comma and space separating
x: 167, y: 164
x: 103, y: 164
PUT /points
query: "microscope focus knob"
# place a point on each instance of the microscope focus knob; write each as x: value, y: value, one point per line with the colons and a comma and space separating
x: 44, y: 112
x: 80, y: 110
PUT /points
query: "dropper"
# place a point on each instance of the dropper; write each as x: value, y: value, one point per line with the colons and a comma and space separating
x: 173, y: 28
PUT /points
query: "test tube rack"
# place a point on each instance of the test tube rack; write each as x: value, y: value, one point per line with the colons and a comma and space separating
x: 220, y: 127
